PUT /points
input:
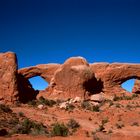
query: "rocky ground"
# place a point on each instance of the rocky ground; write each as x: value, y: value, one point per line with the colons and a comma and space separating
x: 114, y: 119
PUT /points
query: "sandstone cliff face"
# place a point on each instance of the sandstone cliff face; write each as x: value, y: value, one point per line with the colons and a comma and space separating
x: 72, y: 79
x: 136, y: 88
x: 8, y: 77
x: 113, y: 75
x: 46, y: 71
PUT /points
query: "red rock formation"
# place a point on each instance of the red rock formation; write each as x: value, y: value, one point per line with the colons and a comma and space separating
x: 72, y: 79
x: 26, y: 91
x: 136, y: 88
x: 113, y: 75
x: 46, y: 71
x: 8, y: 78
x: 78, y: 78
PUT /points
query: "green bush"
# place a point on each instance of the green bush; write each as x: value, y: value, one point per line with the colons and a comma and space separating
x: 5, y: 108
x: 85, y: 105
x: 117, y: 98
x: 88, y: 106
x: 105, y: 120
x: 21, y: 114
x: 95, y: 108
x: 101, y: 128
x: 135, y: 124
x: 59, y: 130
x: 47, y: 102
x: 119, y: 125
x: 32, y: 103
x: 70, y: 107
x: 124, y: 97
x: 73, y: 124
x: 29, y: 127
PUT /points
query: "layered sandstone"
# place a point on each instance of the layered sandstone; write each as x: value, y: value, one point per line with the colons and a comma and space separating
x: 136, y: 88
x: 8, y: 77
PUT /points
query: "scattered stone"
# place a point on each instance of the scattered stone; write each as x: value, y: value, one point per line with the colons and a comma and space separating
x: 63, y: 105
x: 40, y: 106
x: 97, y: 98
x: 77, y: 99
x: 95, y: 103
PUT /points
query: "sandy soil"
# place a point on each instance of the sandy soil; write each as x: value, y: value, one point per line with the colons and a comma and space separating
x: 122, y: 121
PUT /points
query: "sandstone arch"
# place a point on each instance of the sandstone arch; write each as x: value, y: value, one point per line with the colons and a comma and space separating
x: 70, y: 79
x: 46, y: 71
x: 76, y: 77
x: 113, y: 75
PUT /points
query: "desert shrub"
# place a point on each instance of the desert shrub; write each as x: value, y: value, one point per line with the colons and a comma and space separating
x: 128, y: 106
x: 95, y: 108
x: 119, y: 125
x: 58, y: 101
x: 88, y: 106
x: 5, y: 108
x: 117, y: 98
x: 47, y: 102
x: 59, y: 130
x: 135, y: 124
x: 105, y: 120
x: 29, y: 127
x: 100, y: 128
x: 70, y: 107
x: 85, y: 105
x: 21, y: 114
x: 111, y: 103
x: 134, y: 95
x: 32, y: 102
x: 73, y: 124
x: 117, y: 105
x: 124, y: 97
x: 13, y: 121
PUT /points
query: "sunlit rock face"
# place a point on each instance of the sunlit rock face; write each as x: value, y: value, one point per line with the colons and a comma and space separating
x: 113, y: 75
x: 136, y: 88
x: 76, y: 77
x: 72, y: 79
x: 8, y: 78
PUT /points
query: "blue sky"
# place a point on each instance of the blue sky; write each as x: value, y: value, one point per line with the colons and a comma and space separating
x: 44, y: 31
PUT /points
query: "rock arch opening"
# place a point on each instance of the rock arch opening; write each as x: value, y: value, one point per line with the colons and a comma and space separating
x: 93, y: 86
x: 38, y: 83
x: 128, y: 85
